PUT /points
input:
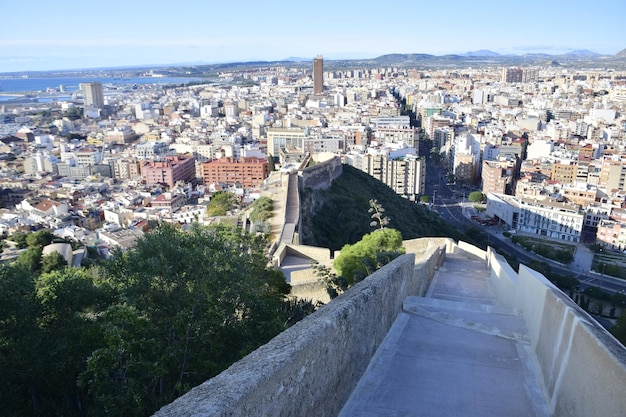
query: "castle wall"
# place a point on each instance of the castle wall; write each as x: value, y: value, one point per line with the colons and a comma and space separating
x: 321, y: 175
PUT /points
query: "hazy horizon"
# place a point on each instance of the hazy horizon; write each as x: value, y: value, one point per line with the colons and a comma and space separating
x: 40, y: 36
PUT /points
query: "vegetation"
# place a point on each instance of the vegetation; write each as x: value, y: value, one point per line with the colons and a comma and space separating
x: 476, y: 197
x: 261, y: 209
x: 555, y: 251
x: 134, y: 332
x: 221, y: 203
x: 339, y: 215
x: 619, y: 330
x: 359, y: 260
x: 374, y: 250
x: 74, y: 113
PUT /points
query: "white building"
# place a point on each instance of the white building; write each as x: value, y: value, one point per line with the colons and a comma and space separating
x: 547, y: 218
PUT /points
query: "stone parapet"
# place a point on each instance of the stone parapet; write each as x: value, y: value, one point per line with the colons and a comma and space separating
x: 312, y: 367
x: 583, y: 366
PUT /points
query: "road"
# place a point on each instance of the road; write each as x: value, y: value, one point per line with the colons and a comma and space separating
x: 451, y: 206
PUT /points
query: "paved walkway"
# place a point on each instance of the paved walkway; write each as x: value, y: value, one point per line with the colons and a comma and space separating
x: 452, y: 353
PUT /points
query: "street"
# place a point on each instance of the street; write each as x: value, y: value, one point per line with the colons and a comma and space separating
x: 454, y: 208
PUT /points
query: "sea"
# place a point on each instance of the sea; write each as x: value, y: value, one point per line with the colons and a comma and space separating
x: 46, y: 89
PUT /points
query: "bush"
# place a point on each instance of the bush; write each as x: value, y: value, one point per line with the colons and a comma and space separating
x: 369, y: 254
x: 476, y: 197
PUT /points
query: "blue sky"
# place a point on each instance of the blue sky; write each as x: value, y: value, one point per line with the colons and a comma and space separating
x: 48, y: 35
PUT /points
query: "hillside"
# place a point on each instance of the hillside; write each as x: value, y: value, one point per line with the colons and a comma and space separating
x: 339, y: 215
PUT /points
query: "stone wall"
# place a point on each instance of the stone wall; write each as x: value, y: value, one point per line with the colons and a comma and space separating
x: 311, y: 368
x: 582, y: 365
x: 321, y: 175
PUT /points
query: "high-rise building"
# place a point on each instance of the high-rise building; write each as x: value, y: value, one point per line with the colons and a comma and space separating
x: 519, y: 75
x: 93, y: 93
x: 318, y: 75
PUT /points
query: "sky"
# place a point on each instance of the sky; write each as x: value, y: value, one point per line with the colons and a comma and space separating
x: 42, y: 35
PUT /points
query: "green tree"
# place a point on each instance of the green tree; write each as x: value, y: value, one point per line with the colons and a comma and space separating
x: 199, y: 300
x: 221, y: 202
x: 357, y: 261
x: 20, y: 338
x: 52, y: 261
x: 47, y: 340
x: 619, y: 330
x: 476, y: 197
x: 74, y: 113
x: 39, y: 238
x: 30, y: 259
x: 20, y: 240
x: 335, y: 284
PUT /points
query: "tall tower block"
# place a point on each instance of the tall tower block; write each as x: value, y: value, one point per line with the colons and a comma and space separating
x: 318, y: 75
x: 93, y: 93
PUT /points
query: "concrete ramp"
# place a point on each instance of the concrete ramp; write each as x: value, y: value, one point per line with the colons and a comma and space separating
x: 454, y: 353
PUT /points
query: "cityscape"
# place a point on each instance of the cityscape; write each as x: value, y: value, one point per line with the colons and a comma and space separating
x: 517, y: 149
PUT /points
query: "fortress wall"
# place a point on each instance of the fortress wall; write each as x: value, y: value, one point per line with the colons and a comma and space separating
x: 321, y: 175
x: 583, y: 366
x: 312, y: 367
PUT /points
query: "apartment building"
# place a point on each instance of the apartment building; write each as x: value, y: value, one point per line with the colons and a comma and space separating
x: 405, y: 174
x: 247, y: 172
x: 169, y: 171
x: 564, y: 173
x: 613, y: 172
x: 612, y: 234
x: 498, y: 177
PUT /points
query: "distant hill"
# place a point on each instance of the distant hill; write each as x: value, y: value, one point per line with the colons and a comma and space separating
x: 339, y: 215
x: 621, y: 54
x: 297, y: 59
x: 583, y: 52
x: 403, y: 57
x: 481, y: 53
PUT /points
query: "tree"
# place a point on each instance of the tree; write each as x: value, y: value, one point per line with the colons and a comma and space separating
x: 221, y: 202
x: 619, y: 330
x: 19, y: 339
x: 357, y: 261
x: 39, y: 238
x: 190, y: 303
x: 20, y: 240
x: 52, y: 262
x: 476, y: 197
x: 74, y: 113
x: 335, y: 284
x: 30, y: 259
x: 47, y: 332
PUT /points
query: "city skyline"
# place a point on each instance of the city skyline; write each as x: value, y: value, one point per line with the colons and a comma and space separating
x: 40, y: 36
